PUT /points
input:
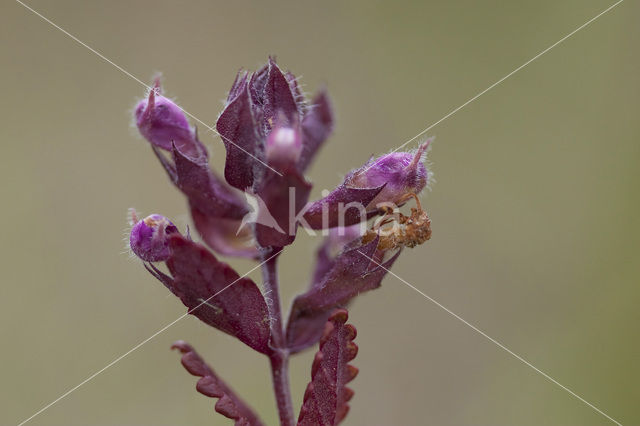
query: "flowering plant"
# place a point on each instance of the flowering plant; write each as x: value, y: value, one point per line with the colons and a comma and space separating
x: 271, y: 134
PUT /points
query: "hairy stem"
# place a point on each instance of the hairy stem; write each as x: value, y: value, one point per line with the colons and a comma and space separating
x: 279, y: 357
x: 280, y: 377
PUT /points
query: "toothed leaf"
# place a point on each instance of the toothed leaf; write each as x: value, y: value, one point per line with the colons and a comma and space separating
x: 211, y: 385
x: 215, y: 293
x: 326, y: 397
x: 352, y: 273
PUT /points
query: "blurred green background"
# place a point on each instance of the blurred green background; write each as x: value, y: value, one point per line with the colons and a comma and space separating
x: 535, y: 208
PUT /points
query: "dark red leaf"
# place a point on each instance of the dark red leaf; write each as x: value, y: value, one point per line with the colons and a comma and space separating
x: 317, y: 125
x: 206, y: 191
x: 238, y: 85
x: 215, y: 293
x: 237, y: 127
x: 253, y: 105
x: 324, y: 263
x: 257, y: 83
x: 277, y: 98
x: 211, y: 385
x: 298, y: 95
x: 326, y: 398
x: 277, y: 192
x: 332, y: 245
x: 351, y: 274
x: 216, y: 207
x: 346, y: 202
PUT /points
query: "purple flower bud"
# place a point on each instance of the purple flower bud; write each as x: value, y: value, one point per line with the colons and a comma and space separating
x: 402, y: 172
x: 258, y: 103
x: 162, y: 122
x: 149, y: 238
x: 283, y: 147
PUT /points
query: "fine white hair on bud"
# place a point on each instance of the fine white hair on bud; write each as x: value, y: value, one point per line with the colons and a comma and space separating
x: 149, y: 237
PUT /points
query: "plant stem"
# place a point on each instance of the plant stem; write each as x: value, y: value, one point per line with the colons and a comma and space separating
x: 279, y: 357
x: 280, y: 377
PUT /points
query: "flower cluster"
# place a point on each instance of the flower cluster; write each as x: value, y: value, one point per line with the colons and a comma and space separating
x: 271, y: 133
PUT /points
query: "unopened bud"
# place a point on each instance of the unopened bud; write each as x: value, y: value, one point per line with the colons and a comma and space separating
x: 161, y: 121
x: 149, y: 238
x: 403, y: 173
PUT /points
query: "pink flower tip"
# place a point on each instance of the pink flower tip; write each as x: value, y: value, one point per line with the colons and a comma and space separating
x: 283, y: 146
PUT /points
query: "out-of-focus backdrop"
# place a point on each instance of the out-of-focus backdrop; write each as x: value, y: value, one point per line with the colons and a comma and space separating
x: 534, y: 209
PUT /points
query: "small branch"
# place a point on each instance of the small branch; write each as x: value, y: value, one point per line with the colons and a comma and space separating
x: 279, y: 357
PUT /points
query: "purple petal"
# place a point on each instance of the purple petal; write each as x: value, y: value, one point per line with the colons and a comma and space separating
x: 211, y: 385
x: 402, y: 173
x: 163, y: 123
x: 284, y: 145
x: 149, y: 237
